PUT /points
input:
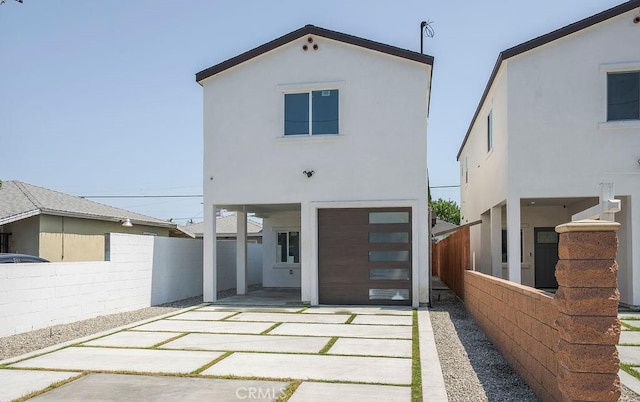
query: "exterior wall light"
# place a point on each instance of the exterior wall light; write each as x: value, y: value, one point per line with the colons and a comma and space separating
x: 127, y: 223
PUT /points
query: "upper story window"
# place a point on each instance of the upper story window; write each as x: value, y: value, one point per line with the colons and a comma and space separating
x: 490, y: 131
x: 311, y: 112
x: 623, y: 96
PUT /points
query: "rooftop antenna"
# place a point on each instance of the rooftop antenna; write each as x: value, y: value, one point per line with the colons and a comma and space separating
x: 425, y: 30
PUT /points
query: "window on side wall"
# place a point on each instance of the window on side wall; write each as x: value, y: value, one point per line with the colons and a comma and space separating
x: 466, y: 169
x: 623, y: 96
x: 504, y: 245
x: 311, y: 112
x: 288, y: 247
x: 490, y: 131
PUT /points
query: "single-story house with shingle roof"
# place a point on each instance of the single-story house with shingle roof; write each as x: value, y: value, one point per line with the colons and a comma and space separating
x: 227, y: 229
x: 62, y: 227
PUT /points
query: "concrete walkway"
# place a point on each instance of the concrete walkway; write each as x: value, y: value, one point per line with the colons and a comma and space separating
x: 229, y: 353
x: 629, y: 348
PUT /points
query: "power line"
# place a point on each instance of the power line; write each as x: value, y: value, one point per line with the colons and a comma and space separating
x: 144, y: 196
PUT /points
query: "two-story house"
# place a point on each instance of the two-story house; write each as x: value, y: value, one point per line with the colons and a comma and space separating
x: 324, y: 136
x: 559, y: 115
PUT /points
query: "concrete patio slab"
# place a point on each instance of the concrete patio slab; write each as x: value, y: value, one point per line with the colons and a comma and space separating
x: 322, y: 392
x: 132, y: 339
x: 225, y: 327
x: 630, y: 337
x: 265, y: 297
x: 285, y: 317
x: 629, y: 355
x: 131, y: 360
x: 249, y: 343
x: 629, y: 381
x: 118, y: 387
x: 383, y: 310
x: 347, y: 330
x: 24, y: 382
x: 384, y: 370
x: 634, y: 323
x: 383, y: 319
x: 200, y: 315
x: 372, y: 347
x: 256, y: 309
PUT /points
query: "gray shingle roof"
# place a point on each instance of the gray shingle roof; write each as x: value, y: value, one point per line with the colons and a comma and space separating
x: 226, y: 225
x: 20, y: 200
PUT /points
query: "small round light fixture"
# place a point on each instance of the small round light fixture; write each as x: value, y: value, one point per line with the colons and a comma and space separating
x: 127, y: 223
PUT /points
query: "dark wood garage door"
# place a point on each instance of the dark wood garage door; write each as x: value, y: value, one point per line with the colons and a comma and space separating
x: 364, y: 256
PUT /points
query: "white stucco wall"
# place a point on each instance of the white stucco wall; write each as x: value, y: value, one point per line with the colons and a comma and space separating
x: 486, y: 169
x: 226, y: 258
x: 381, y: 150
x: 380, y: 154
x: 177, y: 269
x: 560, y: 144
x: 278, y: 274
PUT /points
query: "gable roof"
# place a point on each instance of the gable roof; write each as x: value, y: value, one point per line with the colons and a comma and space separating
x: 226, y: 226
x: 20, y: 200
x: 313, y: 30
x: 443, y: 227
x: 543, y: 40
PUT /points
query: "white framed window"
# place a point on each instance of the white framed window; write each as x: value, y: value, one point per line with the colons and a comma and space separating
x: 313, y: 112
x: 623, y: 95
x: 287, y: 247
x: 490, y: 131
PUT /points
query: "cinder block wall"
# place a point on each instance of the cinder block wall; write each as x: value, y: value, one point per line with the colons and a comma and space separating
x: 520, y: 322
x: 34, y: 296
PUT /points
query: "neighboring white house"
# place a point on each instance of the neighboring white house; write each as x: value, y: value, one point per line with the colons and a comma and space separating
x: 559, y: 115
x: 324, y: 136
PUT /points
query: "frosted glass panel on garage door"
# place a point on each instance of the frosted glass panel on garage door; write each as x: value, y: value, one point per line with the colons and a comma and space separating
x: 388, y: 217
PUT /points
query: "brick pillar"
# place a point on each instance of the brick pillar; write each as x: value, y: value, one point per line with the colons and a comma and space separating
x: 587, y: 301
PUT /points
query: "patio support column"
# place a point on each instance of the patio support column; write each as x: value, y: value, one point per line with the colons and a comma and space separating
x: 513, y: 240
x: 308, y: 254
x: 241, y: 253
x: 587, y: 300
x: 209, y: 266
x: 496, y: 241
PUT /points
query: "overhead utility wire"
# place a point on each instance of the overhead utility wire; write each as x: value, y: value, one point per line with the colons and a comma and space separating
x: 144, y: 196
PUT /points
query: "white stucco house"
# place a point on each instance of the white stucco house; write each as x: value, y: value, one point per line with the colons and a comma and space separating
x: 559, y: 115
x: 324, y: 136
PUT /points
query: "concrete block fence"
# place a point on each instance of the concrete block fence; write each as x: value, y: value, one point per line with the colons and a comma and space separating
x: 142, y: 271
x: 563, y: 345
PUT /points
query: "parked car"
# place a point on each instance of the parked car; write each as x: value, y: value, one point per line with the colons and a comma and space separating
x: 11, y: 258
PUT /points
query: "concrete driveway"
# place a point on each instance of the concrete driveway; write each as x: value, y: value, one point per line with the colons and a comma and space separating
x: 230, y: 353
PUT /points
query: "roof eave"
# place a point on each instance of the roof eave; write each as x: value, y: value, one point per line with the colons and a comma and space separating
x: 68, y: 214
x: 18, y: 217
x: 312, y: 30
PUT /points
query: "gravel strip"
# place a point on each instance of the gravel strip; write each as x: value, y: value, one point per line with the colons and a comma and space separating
x: 473, y: 369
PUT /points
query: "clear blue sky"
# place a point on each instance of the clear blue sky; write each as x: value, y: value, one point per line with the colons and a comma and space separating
x: 99, y: 97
